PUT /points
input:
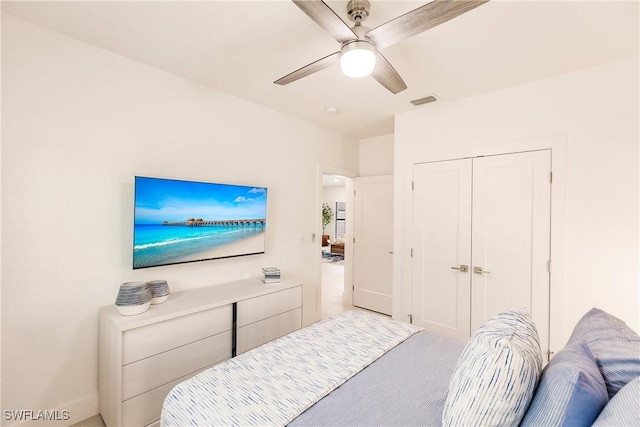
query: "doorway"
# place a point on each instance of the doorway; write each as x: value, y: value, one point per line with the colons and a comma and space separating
x: 334, y: 233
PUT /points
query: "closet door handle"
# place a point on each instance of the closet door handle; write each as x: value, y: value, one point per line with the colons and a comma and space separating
x: 479, y: 270
x: 462, y: 268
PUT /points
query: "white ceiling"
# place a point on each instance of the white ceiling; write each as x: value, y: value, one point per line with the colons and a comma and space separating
x: 333, y: 181
x: 242, y: 47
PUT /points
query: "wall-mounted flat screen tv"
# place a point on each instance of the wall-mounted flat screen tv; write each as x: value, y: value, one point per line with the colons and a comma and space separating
x: 185, y: 221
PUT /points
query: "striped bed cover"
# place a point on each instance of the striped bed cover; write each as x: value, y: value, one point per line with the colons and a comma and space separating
x: 274, y: 383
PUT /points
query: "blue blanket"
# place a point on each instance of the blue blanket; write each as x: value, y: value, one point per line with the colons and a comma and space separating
x: 405, y: 387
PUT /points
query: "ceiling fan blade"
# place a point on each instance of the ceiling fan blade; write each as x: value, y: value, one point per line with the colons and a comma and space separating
x: 316, y: 66
x: 324, y: 16
x: 419, y: 20
x: 387, y: 76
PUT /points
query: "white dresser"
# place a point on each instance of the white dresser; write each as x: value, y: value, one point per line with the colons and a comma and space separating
x: 142, y: 357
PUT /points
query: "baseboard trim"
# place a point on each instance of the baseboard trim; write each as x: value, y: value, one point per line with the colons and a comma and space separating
x: 310, y: 318
x: 78, y: 410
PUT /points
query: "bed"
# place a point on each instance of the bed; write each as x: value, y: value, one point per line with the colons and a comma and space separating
x: 364, y: 369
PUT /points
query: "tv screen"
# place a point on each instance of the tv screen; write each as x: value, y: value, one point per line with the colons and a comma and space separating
x: 184, y: 221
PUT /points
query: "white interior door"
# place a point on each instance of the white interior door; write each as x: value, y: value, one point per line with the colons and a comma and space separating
x: 490, y: 214
x: 511, y: 237
x: 373, y: 246
x: 442, y: 242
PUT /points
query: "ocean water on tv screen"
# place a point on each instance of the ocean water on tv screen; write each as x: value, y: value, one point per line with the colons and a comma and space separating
x: 160, y: 244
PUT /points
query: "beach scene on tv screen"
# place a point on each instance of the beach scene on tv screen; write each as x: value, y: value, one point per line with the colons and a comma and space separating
x: 184, y: 221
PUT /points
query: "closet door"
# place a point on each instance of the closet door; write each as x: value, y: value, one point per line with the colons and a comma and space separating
x: 442, y: 247
x: 511, y: 237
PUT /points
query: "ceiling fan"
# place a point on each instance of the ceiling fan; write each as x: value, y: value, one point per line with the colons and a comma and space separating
x: 359, y: 55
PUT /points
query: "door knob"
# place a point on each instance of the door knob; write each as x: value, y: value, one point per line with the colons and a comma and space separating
x: 462, y: 268
x: 479, y: 270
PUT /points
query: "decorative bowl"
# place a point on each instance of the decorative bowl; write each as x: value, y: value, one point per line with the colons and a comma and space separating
x: 133, y: 298
x: 159, y: 291
x: 130, y: 310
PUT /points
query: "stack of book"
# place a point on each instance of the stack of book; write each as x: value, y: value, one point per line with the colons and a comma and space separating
x: 271, y: 275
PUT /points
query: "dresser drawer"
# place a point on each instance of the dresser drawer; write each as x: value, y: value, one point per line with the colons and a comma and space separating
x: 146, y: 408
x: 152, y: 339
x: 254, y: 309
x: 258, y: 333
x: 152, y: 372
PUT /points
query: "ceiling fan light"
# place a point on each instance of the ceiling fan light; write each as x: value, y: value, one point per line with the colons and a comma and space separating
x: 358, y: 59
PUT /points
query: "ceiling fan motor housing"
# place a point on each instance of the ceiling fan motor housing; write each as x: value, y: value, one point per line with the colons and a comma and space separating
x: 358, y: 10
x: 360, y: 31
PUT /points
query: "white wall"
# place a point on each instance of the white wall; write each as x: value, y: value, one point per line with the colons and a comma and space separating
x: 376, y: 156
x: 1, y: 275
x: 596, y: 110
x: 333, y: 194
x: 78, y: 123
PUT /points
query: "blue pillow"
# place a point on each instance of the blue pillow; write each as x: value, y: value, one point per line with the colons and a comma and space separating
x: 615, y: 346
x: 571, y: 390
x: 623, y: 409
x: 496, y: 375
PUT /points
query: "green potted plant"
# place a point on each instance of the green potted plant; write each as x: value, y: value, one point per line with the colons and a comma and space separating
x: 327, y: 216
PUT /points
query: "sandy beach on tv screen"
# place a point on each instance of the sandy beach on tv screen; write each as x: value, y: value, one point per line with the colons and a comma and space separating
x: 250, y: 245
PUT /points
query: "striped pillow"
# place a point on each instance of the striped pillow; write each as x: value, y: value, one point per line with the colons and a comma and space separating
x: 615, y: 346
x: 571, y: 391
x: 623, y: 409
x: 496, y: 375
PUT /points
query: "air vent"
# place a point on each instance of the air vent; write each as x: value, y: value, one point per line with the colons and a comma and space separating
x: 425, y: 100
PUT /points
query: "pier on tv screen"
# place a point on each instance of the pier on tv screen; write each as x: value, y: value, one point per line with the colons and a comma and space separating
x: 185, y: 221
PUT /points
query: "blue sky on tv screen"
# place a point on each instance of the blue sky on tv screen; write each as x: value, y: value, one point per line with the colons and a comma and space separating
x: 158, y: 200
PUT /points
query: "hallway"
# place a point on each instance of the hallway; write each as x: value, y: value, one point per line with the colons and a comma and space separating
x: 332, y: 290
